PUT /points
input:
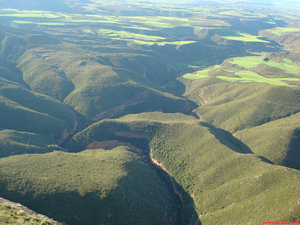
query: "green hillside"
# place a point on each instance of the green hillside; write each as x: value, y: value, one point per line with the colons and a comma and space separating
x: 136, y: 130
x: 227, y: 187
x: 282, y: 146
x: 9, y: 72
x: 149, y: 112
x: 265, y: 68
x: 92, y: 187
x: 44, y: 77
x: 220, y: 191
x: 233, y: 106
x: 14, y: 142
x: 104, y: 85
x: 24, y: 110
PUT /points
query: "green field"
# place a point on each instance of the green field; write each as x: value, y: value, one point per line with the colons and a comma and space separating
x: 246, y: 75
x: 253, y: 61
x: 283, y: 30
x: 123, y: 22
x: 287, y: 65
x: 245, y: 38
x: 249, y: 76
x: 149, y: 22
x: 171, y: 22
x: 200, y: 73
x: 240, y: 13
x: 248, y: 61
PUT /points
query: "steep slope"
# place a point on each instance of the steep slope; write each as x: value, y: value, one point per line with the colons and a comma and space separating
x: 113, y: 186
x: 278, y: 141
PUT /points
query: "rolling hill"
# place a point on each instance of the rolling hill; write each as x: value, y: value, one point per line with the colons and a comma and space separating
x: 103, y: 186
x: 149, y: 112
x: 236, y: 106
x: 283, y: 141
x: 208, y: 171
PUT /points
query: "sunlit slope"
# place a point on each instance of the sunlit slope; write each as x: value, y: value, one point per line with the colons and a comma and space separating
x: 15, y: 214
x: 235, y: 106
x: 278, y: 141
x: 227, y: 187
x: 217, y: 175
x: 102, y: 85
x: 91, y: 187
x: 44, y: 77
